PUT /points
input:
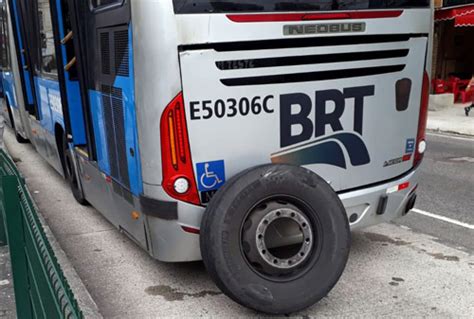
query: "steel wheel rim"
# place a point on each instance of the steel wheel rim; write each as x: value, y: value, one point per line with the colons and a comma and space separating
x: 253, y: 245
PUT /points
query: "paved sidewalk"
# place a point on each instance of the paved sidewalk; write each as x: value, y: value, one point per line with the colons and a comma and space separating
x: 450, y: 118
x: 7, y: 297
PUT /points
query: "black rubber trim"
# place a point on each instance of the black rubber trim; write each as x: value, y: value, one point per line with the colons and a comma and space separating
x: 304, y: 42
x: 310, y: 59
x: 396, y: 178
x: 313, y: 76
x: 382, y: 205
x: 158, y: 208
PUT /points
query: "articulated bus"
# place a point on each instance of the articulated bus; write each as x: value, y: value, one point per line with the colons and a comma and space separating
x: 253, y: 135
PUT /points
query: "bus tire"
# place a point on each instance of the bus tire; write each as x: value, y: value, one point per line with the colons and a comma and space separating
x: 257, y: 268
x: 20, y: 139
x: 71, y: 176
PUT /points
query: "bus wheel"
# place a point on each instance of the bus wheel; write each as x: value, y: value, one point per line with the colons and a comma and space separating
x: 20, y: 139
x: 71, y: 176
x: 275, y: 238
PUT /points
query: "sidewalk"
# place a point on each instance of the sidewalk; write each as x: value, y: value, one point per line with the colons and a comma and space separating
x: 7, y: 297
x: 444, y: 116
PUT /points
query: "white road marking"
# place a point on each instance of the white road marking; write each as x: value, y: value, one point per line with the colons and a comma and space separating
x: 463, y: 159
x: 443, y: 218
x: 470, y: 139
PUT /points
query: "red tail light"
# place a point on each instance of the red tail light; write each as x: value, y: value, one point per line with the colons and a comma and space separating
x: 288, y: 17
x: 420, y: 140
x: 178, y: 173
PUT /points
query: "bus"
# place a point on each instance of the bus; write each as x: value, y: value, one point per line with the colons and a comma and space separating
x: 254, y: 135
x: 10, y: 107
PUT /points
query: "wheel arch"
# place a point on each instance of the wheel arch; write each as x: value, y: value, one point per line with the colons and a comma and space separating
x: 59, y: 135
x: 10, y: 111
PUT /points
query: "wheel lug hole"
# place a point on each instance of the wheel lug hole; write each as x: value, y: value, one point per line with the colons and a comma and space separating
x: 293, y: 214
x: 275, y: 261
x: 265, y: 222
x: 260, y: 236
x: 264, y: 252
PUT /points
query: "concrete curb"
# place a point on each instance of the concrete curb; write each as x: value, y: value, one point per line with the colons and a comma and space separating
x: 449, y: 133
x: 84, y: 299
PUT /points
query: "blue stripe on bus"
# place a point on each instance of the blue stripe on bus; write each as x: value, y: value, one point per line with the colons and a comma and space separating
x: 49, y: 103
x: 9, y: 88
x: 126, y: 84
x: 131, y: 131
x: 100, y: 138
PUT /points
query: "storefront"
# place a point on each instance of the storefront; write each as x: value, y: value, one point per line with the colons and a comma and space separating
x: 453, y: 55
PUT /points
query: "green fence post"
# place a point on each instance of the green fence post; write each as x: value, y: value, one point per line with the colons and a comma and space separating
x: 3, y: 227
x: 16, y: 239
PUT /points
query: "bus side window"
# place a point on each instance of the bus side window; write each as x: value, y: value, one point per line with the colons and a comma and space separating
x: 46, y: 40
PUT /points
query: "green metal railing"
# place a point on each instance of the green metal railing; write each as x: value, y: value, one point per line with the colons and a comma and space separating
x: 41, y: 289
x: 7, y: 168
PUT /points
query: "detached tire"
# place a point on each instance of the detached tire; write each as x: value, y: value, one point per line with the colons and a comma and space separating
x: 275, y: 238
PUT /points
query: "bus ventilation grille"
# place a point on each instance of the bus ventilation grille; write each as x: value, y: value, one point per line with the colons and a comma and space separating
x: 298, y: 60
x: 105, y: 52
x: 121, y: 52
x: 112, y: 100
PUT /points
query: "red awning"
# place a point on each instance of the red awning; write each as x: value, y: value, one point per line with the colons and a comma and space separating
x: 456, y: 13
x: 464, y: 21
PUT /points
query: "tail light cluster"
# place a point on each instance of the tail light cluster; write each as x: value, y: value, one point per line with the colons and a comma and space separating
x: 178, y: 173
x: 288, y: 17
x: 420, y: 140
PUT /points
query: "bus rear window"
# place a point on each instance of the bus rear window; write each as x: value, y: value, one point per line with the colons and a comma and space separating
x: 228, y: 6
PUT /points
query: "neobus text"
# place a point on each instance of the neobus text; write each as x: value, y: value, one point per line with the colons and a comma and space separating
x: 301, y: 29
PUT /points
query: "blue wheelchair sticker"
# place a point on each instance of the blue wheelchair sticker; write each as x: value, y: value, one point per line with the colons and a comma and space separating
x: 410, y: 146
x: 210, y: 175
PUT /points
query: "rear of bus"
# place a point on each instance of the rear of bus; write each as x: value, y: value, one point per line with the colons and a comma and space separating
x: 275, y: 81
x: 337, y: 87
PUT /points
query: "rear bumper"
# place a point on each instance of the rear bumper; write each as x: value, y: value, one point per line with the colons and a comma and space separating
x: 368, y: 204
x: 169, y: 242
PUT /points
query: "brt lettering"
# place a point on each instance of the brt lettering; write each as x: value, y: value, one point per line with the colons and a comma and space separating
x: 301, y: 118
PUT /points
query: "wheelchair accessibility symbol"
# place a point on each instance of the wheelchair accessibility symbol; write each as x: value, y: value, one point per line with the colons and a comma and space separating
x: 211, y: 175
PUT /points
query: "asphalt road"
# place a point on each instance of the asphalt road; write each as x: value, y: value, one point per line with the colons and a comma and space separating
x: 413, y: 268
x: 446, y: 189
